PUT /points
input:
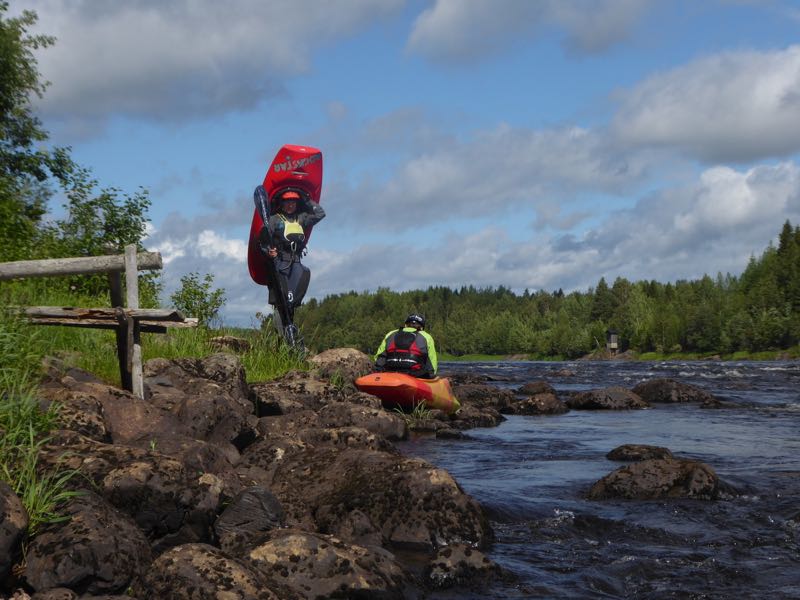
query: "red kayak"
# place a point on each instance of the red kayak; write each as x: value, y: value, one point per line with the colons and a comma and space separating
x: 398, y: 390
x: 293, y: 167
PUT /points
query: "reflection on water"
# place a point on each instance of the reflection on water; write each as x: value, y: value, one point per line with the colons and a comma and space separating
x: 531, y: 473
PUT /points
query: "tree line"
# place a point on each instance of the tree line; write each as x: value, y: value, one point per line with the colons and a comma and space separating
x: 758, y: 310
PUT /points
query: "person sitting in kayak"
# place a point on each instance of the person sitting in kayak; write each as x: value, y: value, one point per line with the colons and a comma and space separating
x: 409, y: 349
x: 287, y: 226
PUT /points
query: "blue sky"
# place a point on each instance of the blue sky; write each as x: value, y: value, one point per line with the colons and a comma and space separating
x: 535, y: 144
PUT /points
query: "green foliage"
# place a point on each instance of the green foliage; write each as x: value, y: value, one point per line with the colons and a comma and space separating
x: 196, y: 298
x: 24, y: 427
x: 420, y: 412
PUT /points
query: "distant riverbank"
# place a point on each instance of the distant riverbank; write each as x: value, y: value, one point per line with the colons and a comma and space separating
x: 786, y: 354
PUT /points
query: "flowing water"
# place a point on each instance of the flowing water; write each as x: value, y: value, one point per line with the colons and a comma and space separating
x: 531, y: 474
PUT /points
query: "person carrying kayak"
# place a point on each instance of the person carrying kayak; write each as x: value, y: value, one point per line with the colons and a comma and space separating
x: 286, y: 227
x: 409, y: 349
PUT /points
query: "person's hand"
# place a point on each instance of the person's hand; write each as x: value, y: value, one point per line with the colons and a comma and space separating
x: 272, y: 252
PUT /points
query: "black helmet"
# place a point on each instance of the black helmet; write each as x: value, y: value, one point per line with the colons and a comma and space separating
x: 415, y: 320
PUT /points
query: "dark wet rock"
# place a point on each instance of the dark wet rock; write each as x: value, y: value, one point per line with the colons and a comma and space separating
x: 540, y: 404
x: 97, y: 550
x: 563, y: 373
x: 665, y: 390
x: 199, y: 571
x: 408, y: 502
x: 533, y: 388
x: 466, y: 378
x: 13, y: 525
x: 659, y: 478
x: 469, y: 417
x: 483, y: 396
x: 636, y: 452
x: 613, y: 398
x: 79, y: 409
x: 295, y: 391
x: 341, y: 365
x: 344, y: 437
x: 247, y: 520
x: 377, y: 421
x: 322, y: 566
x: 171, y: 505
x: 461, y: 565
x: 448, y: 433
x: 208, y: 397
x: 230, y: 342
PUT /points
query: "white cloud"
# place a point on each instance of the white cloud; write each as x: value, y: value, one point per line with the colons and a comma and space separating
x: 176, y: 59
x: 713, y: 225
x: 457, y: 31
x: 495, y: 170
x: 735, y: 106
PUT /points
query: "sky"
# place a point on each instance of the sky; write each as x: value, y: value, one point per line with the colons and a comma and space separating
x: 533, y: 144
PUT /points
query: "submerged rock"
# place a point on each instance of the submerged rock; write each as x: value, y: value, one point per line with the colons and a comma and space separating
x: 634, y: 452
x: 659, y: 478
x: 612, y: 398
x: 461, y: 565
x: 665, y: 390
x: 544, y: 403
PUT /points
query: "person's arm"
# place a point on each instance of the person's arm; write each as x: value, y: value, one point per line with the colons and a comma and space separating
x: 312, y: 215
x: 431, y: 351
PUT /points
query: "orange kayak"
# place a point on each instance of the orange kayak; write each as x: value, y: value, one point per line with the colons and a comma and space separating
x: 398, y: 390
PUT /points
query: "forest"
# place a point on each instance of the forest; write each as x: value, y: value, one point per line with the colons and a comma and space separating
x: 756, y: 311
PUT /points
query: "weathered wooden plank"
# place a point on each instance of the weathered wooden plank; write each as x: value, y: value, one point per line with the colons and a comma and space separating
x: 76, y: 266
x: 145, y: 326
x: 100, y: 313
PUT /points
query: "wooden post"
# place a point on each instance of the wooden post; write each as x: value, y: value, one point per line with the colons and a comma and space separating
x: 115, y: 290
x: 134, y: 336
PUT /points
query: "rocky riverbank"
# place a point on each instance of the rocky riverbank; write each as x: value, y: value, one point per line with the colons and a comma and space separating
x: 213, y: 488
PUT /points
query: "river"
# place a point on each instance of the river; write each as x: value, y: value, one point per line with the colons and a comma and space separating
x: 531, y: 474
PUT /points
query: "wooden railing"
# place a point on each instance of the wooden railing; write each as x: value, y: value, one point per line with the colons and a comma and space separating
x: 126, y: 318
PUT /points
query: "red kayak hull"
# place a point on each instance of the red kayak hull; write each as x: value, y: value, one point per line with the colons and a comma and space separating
x: 397, y: 390
x: 293, y: 166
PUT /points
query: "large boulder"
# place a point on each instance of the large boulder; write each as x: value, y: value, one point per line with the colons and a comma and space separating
x: 247, y: 519
x: 341, y: 365
x: 295, y: 391
x: 13, y: 525
x: 322, y: 566
x: 170, y: 504
x: 612, y: 398
x: 375, y: 420
x: 363, y: 496
x: 209, y: 397
x: 198, y: 571
x: 659, y: 478
x: 80, y: 407
x: 665, y: 390
x: 97, y: 550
